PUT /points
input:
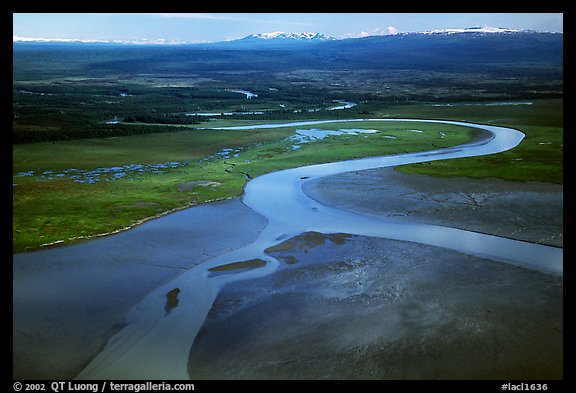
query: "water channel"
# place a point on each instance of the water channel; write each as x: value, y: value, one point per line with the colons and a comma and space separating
x: 155, y: 344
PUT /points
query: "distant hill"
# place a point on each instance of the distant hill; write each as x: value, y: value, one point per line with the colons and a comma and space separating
x: 443, y: 48
x: 453, y: 47
x: 452, y: 50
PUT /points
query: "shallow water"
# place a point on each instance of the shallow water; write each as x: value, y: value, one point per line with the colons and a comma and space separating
x: 358, y: 307
x: 249, y: 95
x: 91, y: 176
x: 155, y: 346
x: 317, y: 134
x: 288, y: 197
x: 67, y: 301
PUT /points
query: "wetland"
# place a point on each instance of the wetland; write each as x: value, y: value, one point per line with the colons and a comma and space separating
x: 202, y: 213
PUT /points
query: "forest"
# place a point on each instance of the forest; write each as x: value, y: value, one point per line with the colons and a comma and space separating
x: 75, y: 91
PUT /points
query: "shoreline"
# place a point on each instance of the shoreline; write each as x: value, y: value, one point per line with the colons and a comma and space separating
x: 480, y: 135
x: 75, y: 239
x: 69, y: 301
x: 168, y: 243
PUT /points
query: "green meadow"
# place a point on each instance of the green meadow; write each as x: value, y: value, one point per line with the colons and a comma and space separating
x: 50, y: 206
x: 539, y: 158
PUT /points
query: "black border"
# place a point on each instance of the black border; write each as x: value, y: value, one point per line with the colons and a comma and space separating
x: 337, y: 7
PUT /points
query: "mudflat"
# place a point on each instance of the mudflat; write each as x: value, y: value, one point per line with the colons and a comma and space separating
x: 68, y: 301
x: 344, y: 306
x: 354, y: 307
x: 340, y: 306
x: 528, y: 211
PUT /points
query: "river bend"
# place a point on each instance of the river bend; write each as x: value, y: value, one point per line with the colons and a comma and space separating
x: 154, y: 345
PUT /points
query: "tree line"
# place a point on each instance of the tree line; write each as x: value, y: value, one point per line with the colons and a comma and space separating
x: 24, y: 135
x: 163, y: 119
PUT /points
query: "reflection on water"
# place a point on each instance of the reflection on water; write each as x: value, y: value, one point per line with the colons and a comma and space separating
x: 316, y: 134
x: 249, y: 95
x: 162, y: 351
x: 278, y: 196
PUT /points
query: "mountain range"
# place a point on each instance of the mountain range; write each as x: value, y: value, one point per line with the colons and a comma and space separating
x: 472, y: 49
x: 277, y: 37
x: 476, y: 45
x: 280, y: 35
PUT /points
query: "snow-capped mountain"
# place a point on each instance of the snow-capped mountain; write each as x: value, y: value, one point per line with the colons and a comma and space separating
x: 476, y: 29
x: 279, y: 35
x: 278, y: 40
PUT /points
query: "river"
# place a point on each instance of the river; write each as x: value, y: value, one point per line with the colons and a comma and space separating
x: 156, y: 345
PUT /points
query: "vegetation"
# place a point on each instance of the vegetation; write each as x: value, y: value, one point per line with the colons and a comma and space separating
x: 107, y: 137
x: 66, y: 92
x: 539, y: 157
x: 53, y: 203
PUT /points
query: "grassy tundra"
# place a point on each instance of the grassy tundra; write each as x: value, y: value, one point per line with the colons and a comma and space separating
x: 215, y: 164
x: 103, y: 138
x: 117, y: 182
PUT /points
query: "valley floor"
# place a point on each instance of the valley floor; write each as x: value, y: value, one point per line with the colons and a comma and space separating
x: 338, y: 307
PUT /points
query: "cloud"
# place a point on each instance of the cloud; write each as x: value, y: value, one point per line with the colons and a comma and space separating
x: 16, y: 38
x: 197, y: 16
x: 143, y: 41
x: 392, y: 30
x: 228, y: 17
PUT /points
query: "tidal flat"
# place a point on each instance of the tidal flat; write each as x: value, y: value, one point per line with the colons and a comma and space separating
x: 528, y: 211
x: 86, y: 325
x: 369, y: 308
x: 92, y: 126
x: 344, y: 306
x: 69, y: 301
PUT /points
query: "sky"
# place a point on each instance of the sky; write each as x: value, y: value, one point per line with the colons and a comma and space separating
x: 212, y: 27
